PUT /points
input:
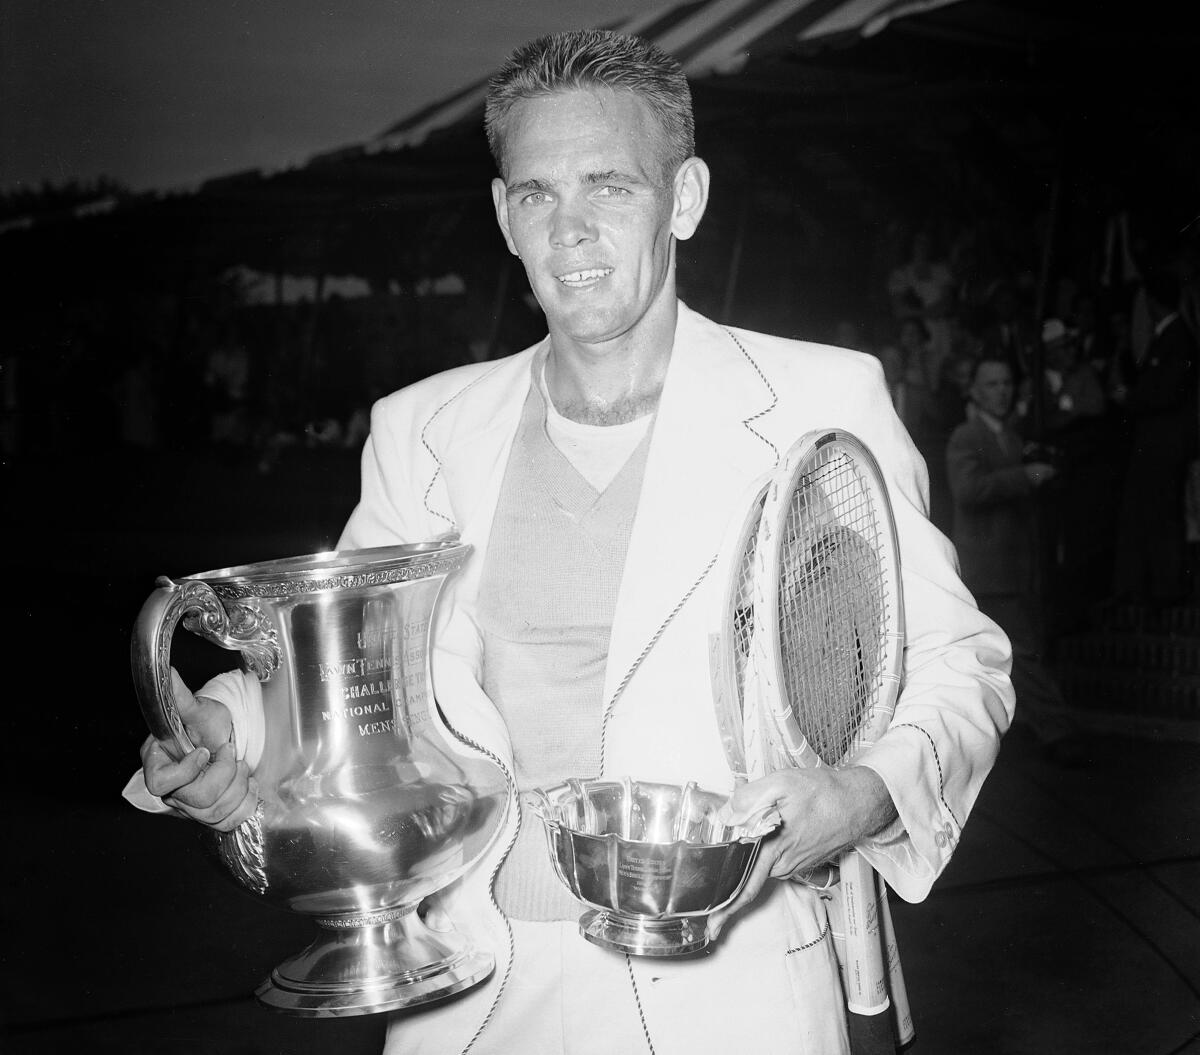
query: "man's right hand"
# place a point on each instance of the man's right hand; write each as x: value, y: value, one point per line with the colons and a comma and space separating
x: 208, y: 784
x: 1038, y: 473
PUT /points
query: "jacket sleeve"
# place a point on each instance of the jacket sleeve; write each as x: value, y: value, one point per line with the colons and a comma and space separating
x: 956, y: 699
x: 974, y: 482
x: 1167, y: 382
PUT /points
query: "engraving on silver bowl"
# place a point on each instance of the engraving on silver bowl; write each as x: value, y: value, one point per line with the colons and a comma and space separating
x: 652, y: 860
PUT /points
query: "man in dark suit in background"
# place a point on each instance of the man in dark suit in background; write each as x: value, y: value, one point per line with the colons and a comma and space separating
x: 1160, y: 403
x: 994, y: 531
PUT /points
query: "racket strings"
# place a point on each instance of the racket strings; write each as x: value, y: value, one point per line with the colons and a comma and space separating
x: 831, y: 606
x: 743, y: 612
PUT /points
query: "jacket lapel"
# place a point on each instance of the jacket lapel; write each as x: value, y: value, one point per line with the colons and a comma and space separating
x: 470, y: 438
x: 701, y: 457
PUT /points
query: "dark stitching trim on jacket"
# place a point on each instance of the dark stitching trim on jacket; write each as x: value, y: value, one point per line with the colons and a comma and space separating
x: 644, y: 653
x: 938, y: 761
x: 816, y: 941
x: 425, y: 443
x: 638, y: 999
x: 774, y: 397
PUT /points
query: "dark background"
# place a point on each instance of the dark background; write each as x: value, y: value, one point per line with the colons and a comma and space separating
x: 1068, y: 921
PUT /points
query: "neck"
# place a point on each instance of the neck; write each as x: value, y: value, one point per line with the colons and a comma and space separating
x: 618, y: 380
x: 995, y: 420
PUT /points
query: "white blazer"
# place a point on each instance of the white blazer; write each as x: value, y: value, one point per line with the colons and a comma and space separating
x: 732, y: 402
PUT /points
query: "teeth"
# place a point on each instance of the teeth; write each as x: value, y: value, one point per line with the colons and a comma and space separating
x: 585, y: 276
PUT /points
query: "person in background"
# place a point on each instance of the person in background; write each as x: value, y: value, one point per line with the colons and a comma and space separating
x: 923, y: 288
x: 1073, y: 393
x: 930, y: 412
x: 995, y: 534
x: 943, y: 414
x: 1161, y: 406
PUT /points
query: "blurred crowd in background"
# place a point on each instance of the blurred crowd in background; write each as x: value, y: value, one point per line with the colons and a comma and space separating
x: 206, y: 366
x: 1115, y: 421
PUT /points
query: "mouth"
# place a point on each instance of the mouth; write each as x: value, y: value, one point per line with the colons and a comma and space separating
x: 582, y: 279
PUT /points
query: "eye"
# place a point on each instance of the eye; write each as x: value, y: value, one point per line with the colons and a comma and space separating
x: 610, y: 191
x: 537, y: 197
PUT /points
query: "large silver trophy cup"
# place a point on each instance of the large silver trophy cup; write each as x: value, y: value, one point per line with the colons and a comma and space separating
x: 366, y: 804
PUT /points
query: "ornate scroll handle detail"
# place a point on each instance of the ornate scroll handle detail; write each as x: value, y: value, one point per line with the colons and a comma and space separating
x: 244, y: 628
x: 241, y: 626
x: 244, y: 852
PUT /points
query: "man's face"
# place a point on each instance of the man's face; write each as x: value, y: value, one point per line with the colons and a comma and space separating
x: 586, y: 206
x: 992, y: 389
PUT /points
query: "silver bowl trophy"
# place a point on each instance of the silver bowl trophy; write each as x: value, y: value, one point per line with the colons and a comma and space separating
x: 366, y: 805
x: 652, y: 860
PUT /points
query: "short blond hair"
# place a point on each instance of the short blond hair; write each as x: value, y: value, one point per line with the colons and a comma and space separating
x: 595, y: 58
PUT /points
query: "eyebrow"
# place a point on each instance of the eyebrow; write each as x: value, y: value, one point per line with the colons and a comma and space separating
x: 611, y: 176
x: 527, y: 186
x: 533, y: 184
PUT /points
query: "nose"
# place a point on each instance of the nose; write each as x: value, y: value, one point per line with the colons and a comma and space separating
x: 571, y: 225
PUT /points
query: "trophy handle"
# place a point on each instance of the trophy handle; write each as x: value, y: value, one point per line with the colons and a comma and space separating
x: 241, y: 627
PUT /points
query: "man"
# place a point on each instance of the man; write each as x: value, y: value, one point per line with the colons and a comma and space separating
x: 1151, y: 562
x: 1072, y: 394
x: 594, y: 474
x: 994, y: 533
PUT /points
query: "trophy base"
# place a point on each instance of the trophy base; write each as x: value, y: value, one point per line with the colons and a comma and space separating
x: 638, y: 936
x: 369, y: 968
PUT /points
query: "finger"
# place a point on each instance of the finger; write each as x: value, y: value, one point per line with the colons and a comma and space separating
x: 796, y: 860
x: 822, y: 877
x: 757, y: 879
x: 185, y: 702
x: 242, y: 813
x: 434, y: 916
x: 198, y: 798
x: 147, y: 747
x: 164, y: 775
x: 237, y: 804
x: 205, y: 720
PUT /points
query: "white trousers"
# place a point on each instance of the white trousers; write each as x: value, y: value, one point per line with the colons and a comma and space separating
x: 565, y: 996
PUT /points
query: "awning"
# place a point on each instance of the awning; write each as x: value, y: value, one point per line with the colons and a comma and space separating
x: 706, y: 36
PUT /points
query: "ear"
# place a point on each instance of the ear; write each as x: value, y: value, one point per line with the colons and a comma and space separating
x: 500, y: 201
x: 691, y: 197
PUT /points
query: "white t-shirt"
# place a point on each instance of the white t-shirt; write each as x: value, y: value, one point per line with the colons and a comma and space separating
x: 596, y: 451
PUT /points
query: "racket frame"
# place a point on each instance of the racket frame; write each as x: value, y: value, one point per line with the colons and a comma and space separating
x: 741, y: 733
x: 789, y: 745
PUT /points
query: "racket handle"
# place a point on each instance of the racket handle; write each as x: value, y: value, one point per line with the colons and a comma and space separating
x: 865, y: 973
x: 901, y: 1010
x: 869, y: 1034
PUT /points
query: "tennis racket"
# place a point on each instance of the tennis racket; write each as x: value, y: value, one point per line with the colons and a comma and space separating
x: 825, y: 665
x: 730, y: 631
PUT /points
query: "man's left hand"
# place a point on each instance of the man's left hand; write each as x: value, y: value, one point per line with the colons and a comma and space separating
x: 821, y: 812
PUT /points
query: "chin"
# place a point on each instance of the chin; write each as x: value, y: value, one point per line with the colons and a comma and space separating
x: 593, y: 324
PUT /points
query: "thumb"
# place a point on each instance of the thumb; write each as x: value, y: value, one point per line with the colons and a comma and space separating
x: 206, y: 721
x: 434, y: 915
x: 192, y: 764
x: 185, y: 702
